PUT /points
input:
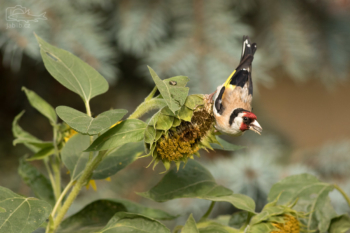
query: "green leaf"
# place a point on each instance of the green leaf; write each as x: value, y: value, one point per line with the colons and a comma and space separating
x: 26, y: 138
x: 239, y: 201
x: 92, y: 217
x: 85, y: 124
x: 43, y: 153
x: 21, y: 214
x: 185, y: 113
x: 211, y: 227
x: 224, y: 145
x: 117, y: 160
x: 340, y: 224
x: 133, y: 207
x: 192, y: 181
x: 41, y: 105
x: 73, y: 155
x: 193, y: 101
x: 150, y: 134
x: 262, y: 228
x: 190, y: 226
x: 40, y: 185
x: 238, y: 219
x: 312, y: 198
x: 174, y: 95
x: 72, y: 72
x: 133, y: 223
x: 131, y: 130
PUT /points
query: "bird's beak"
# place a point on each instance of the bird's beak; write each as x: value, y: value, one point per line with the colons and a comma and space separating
x: 254, y: 126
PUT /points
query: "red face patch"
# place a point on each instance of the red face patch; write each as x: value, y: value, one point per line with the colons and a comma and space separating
x: 250, y: 115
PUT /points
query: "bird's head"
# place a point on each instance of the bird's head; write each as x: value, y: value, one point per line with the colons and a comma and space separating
x: 243, y: 120
x: 249, y: 122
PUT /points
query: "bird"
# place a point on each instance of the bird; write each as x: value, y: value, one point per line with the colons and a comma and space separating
x: 232, y: 104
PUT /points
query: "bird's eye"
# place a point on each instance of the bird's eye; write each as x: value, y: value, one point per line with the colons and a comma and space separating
x: 245, y: 119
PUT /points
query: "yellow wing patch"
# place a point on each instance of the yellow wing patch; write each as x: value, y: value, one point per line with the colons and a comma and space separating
x: 227, y: 84
x: 229, y: 79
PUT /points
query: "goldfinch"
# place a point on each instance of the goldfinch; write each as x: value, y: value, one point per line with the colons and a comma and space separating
x: 232, y: 102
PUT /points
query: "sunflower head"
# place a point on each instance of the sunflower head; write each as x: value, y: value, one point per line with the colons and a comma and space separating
x: 276, y: 218
x: 175, y: 137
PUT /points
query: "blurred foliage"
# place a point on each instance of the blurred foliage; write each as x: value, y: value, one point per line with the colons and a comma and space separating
x: 195, y: 38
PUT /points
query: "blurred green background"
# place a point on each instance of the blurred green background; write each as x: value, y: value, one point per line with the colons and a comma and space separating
x: 300, y: 73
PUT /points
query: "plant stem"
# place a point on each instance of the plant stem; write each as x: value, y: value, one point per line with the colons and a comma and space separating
x: 88, y: 112
x: 346, y: 197
x: 206, y: 215
x: 55, y: 164
x: 52, y: 180
x: 64, y: 192
x: 150, y: 96
x: 76, y: 189
x: 147, y: 106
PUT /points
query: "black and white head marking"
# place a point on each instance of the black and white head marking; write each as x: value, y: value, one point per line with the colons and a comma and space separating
x: 235, y: 113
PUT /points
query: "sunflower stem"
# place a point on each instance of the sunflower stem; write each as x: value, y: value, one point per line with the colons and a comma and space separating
x: 206, y: 215
x: 76, y: 189
x: 346, y: 197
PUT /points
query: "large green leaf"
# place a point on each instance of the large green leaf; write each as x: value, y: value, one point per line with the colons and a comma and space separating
x: 131, y: 130
x: 85, y: 124
x: 133, y: 207
x: 72, y: 72
x: 118, y: 159
x: 312, y: 198
x: 239, y: 201
x: 40, y: 185
x: 73, y: 155
x: 173, y: 90
x: 21, y: 214
x: 224, y: 145
x: 211, y: 227
x: 92, y: 217
x: 340, y: 224
x: 193, y: 180
x: 41, y: 105
x: 190, y: 226
x: 96, y: 215
x: 133, y: 223
x: 26, y: 138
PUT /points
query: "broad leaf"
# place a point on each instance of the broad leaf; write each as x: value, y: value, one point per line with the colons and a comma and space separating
x: 211, y: 227
x: 133, y: 223
x: 238, y: 219
x: 92, y: 217
x: 85, y: 124
x: 131, y: 130
x: 21, y: 214
x: 41, y: 105
x: 133, y: 207
x: 340, y: 224
x: 72, y: 72
x: 190, y: 226
x: 239, y: 201
x: 40, y: 185
x: 73, y: 155
x: 26, y: 138
x: 173, y: 90
x: 118, y: 159
x: 224, y: 145
x: 193, y: 101
x: 192, y: 181
x: 312, y: 198
x: 42, y: 154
